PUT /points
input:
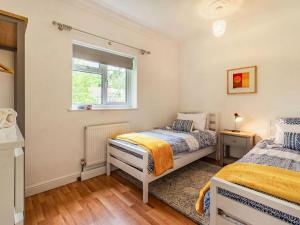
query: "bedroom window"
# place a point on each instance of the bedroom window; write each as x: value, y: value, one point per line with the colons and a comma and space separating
x: 102, y: 79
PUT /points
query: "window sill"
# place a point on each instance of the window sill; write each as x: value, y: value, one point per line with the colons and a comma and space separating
x: 102, y: 109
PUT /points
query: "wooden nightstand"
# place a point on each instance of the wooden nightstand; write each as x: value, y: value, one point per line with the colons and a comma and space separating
x: 242, y: 140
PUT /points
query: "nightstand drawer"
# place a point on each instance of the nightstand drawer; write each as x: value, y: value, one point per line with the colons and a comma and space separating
x: 235, y: 141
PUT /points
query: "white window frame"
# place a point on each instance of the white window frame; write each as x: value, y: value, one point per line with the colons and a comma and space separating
x: 127, y: 92
x: 102, y: 70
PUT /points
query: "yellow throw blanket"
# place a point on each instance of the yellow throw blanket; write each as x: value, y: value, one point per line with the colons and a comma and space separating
x: 160, y: 150
x: 278, y: 182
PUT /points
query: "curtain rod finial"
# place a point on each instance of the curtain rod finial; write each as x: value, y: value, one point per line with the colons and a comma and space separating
x: 61, y: 26
x: 143, y: 52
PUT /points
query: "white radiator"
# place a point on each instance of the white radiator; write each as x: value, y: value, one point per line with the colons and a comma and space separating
x: 95, y: 141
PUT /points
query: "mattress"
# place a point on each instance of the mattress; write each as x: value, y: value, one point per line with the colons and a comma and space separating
x: 182, y: 143
x: 266, y: 152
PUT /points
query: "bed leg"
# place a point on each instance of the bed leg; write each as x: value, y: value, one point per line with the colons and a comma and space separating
x: 107, y: 160
x: 145, y: 192
x: 145, y: 178
x: 213, y: 204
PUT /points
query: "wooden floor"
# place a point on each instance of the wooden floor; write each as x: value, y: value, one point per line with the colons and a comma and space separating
x: 101, y: 200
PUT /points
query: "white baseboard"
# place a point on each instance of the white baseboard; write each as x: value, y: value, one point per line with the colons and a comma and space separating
x: 61, y: 181
x: 50, y: 184
x: 93, y: 173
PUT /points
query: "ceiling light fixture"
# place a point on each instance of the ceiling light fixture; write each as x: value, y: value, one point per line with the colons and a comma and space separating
x: 219, y: 26
x: 216, y: 11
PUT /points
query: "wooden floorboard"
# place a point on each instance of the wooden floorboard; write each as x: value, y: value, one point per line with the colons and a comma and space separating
x: 99, y: 201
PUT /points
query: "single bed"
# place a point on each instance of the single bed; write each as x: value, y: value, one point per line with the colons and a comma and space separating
x: 229, y: 203
x: 137, y: 162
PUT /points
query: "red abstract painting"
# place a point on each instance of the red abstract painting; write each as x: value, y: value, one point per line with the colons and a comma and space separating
x: 241, y: 80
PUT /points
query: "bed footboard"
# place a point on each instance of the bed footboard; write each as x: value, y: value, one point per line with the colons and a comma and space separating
x: 227, y: 210
x: 135, y: 164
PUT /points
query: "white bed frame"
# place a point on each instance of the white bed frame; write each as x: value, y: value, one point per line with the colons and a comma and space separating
x: 138, y: 167
x: 222, y: 207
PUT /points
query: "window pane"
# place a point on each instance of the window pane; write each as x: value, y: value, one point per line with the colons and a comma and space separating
x: 86, y: 88
x: 116, y: 79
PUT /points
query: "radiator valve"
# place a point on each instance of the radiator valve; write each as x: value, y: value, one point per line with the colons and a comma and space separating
x: 83, y: 164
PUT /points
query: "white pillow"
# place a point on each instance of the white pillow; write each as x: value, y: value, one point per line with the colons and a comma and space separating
x: 286, y: 125
x: 198, y: 118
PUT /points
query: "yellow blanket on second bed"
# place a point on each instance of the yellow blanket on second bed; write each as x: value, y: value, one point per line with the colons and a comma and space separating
x: 160, y: 150
x: 278, y: 182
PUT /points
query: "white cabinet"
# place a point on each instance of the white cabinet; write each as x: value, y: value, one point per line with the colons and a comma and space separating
x: 11, y: 176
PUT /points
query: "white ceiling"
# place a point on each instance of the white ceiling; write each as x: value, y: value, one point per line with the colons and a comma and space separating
x: 182, y: 18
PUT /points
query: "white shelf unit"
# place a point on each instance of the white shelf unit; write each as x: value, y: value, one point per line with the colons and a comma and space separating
x: 11, y: 176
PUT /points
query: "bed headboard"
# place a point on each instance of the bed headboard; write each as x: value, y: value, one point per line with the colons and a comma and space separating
x: 212, y: 121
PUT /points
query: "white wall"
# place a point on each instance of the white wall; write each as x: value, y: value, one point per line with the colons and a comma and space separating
x: 54, y: 135
x: 6, y: 80
x: 268, y: 38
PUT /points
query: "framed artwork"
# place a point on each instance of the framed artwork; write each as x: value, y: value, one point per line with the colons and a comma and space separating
x: 242, y: 80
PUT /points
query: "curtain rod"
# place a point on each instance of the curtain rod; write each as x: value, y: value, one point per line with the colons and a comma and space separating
x: 62, y: 27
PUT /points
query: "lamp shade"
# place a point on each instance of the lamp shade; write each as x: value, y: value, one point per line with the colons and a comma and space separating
x: 219, y: 28
x: 237, y: 117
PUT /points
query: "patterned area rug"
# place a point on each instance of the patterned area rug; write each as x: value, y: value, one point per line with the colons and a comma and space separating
x: 180, y: 189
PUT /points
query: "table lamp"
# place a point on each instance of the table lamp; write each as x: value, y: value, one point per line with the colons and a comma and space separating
x: 237, y: 118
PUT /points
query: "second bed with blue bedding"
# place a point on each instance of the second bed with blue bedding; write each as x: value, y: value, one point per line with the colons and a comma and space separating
x: 267, y: 153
